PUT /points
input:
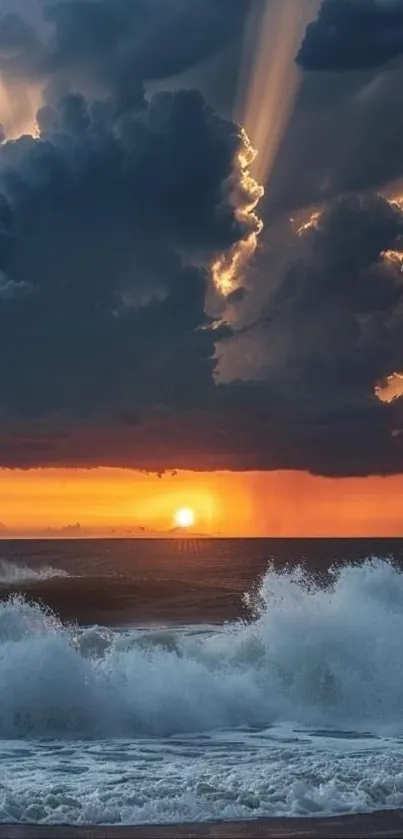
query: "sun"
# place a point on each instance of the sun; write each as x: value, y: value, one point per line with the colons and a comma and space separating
x: 185, y: 517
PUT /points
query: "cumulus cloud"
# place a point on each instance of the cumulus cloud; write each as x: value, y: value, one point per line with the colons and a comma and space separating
x: 343, y: 298
x: 111, y: 42
x: 353, y: 34
x: 102, y: 47
x: 112, y: 219
x: 325, y: 328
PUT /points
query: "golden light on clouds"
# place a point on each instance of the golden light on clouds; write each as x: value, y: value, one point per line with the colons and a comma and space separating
x: 311, y: 224
x: 396, y: 257
x: 269, y: 79
x: 19, y: 104
x: 390, y: 388
x: 228, y: 268
x: 268, y: 86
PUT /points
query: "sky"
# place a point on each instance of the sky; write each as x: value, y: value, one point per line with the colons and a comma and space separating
x: 201, y: 266
x: 65, y: 503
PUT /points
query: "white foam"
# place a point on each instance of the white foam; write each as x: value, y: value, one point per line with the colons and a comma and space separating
x: 314, y: 657
x: 228, y: 776
x: 13, y: 573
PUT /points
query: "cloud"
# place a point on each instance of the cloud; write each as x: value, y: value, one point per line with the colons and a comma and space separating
x: 343, y: 299
x: 111, y: 220
x: 390, y: 388
x: 49, y: 48
x: 257, y: 434
x: 320, y: 326
x: 111, y: 42
x: 353, y: 34
x: 345, y: 129
x: 134, y: 387
x: 344, y: 136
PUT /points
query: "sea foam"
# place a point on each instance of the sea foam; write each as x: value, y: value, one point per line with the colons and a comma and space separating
x: 314, y: 656
x: 13, y: 574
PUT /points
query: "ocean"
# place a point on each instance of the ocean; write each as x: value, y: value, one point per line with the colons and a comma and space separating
x: 189, y: 680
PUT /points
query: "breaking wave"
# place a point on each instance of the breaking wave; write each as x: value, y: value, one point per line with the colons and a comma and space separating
x: 315, y: 656
x: 13, y: 574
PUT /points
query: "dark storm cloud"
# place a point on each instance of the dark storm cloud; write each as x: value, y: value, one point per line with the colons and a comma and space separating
x: 344, y: 136
x: 359, y: 442
x: 347, y: 278
x: 109, y: 222
x: 323, y: 322
x: 353, y: 34
x: 132, y: 385
x: 111, y: 42
x: 344, y: 299
x: 345, y: 129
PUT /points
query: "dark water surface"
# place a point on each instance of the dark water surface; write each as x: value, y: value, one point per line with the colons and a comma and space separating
x: 173, y: 581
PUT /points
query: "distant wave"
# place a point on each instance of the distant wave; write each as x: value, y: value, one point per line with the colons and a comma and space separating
x: 314, y: 656
x: 13, y: 573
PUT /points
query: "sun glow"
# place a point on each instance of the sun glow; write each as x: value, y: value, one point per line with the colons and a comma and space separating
x: 121, y: 503
x: 185, y: 517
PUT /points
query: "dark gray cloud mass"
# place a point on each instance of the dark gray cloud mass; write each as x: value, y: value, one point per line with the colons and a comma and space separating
x: 345, y: 131
x: 323, y: 332
x: 342, y: 299
x: 353, y: 34
x: 110, y: 220
x: 108, y: 223
x: 112, y: 42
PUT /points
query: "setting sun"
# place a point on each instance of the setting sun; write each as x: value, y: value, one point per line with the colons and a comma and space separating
x: 185, y: 517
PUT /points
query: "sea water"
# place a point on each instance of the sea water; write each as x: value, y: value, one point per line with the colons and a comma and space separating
x: 293, y: 706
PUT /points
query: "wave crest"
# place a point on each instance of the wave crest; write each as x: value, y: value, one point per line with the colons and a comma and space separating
x: 322, y: 656
x: 13, y: 574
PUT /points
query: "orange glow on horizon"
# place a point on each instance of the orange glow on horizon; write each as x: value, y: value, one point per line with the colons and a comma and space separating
x: 118, y: 502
